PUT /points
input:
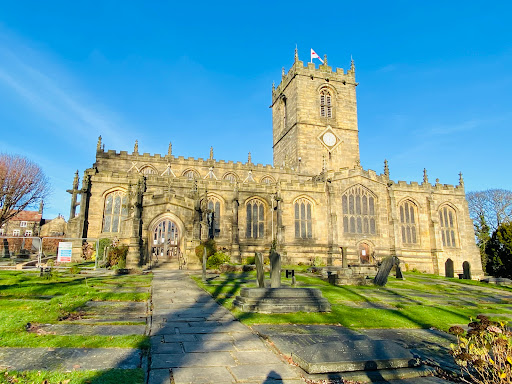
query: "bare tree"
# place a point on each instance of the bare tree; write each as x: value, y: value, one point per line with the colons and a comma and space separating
x: 22, y: 185
x: 494, y: 205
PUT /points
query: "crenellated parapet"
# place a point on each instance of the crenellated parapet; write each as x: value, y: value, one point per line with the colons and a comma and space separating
x: 323, y: 72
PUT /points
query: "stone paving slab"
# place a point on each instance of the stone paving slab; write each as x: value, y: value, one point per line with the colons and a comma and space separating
x: 262, y: 372
x: 89, y: 330
x: 194, y: 359
x: 205, y: 375
x: 69, y: 359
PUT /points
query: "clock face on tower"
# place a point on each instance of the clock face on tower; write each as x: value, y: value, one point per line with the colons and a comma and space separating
x: 329, y: 139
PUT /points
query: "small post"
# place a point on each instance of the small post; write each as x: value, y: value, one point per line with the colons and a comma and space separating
x: 204, y: 264
x: 260, y: 273
x: 344, y: 262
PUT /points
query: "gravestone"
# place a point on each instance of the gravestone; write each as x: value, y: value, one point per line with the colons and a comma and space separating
x: 398, y: 273
x: 204, y: 264
x: 385, y: 268
x: 260, y: 274
x: 466, y: 271
x: 448, y: 268
x: 275, y: 269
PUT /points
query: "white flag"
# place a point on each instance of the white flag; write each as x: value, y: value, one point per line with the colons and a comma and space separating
x: 315, y: 56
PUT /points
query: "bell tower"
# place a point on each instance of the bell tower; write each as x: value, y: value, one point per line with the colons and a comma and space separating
x: 314, y: 118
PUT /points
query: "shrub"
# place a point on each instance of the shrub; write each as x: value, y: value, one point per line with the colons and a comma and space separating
x: 484, y: 352
x: 210, y: 246
x: 117, y: 256
x: 250, y: 260
x: 318, y: 262
x: 103, y: 243
x: 217, y: 259
x: 74, y: 270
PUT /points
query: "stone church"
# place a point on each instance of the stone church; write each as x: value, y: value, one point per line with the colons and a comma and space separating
x: 315, y: 200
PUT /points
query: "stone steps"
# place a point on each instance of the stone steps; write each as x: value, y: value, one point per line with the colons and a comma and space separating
x: 281, y: 300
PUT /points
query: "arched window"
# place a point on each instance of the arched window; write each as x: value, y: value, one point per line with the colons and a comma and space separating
x: 255, y: 219
x: 116, y: 210
x: 214, y: 206
x: 448, y: 225
x: 147, y: 170
x: 408, y: 222
x: 231, y: 177
x: 325, y: 103
x: 267, y: 180
x: 359, y: 211
x: 191, y: 174
x: 303, y: 228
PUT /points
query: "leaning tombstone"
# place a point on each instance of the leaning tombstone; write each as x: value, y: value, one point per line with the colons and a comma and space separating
x: 275, y: 269
x: 260, y: 274
x: 385, y: 268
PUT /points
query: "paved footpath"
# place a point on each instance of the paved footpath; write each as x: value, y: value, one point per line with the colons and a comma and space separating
x: 195, y: 340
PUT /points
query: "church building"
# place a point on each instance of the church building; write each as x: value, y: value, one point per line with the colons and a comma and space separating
x: 315, y: 200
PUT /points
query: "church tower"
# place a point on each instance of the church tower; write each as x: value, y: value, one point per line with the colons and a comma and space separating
x: 314, y: 118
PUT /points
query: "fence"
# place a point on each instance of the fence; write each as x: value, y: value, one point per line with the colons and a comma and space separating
x: 56, y: 252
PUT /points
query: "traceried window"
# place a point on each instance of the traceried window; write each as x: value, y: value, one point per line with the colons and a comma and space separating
x: 23, y: 224
x: 231, y: 177
x: 448, y: 223
x: 214, y: 206
x: 255, y: 219
x: 191, y: 174
x: 408, y: 222
x: 2, y: 231
x: 303, y: 229
x: 147, y: 171
x: 116, y: 210
x: 28, y: 232
x: 16, y: 232
x: 325, y: 103
x: 267, y: 180
x: 359, y: 211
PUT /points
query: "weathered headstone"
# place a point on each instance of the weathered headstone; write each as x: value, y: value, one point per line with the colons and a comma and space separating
x: 382, y: 275
x: 204, y: 264
x: 275, y: 269
x: 466, y: 269
x: 398, y: 272
x: 344, y: 261
x: 260, y: 274
x: 448, y: 268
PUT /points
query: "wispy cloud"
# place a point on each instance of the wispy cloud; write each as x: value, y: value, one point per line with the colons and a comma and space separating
x: 46, y: 89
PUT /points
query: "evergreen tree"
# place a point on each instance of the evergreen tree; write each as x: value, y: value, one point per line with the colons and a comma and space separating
x: 499, y: 251
x: 482, y: 237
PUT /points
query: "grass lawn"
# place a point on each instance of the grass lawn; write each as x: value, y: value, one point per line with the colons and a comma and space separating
x: 113, y: 376
x: 419, y: 301
x: 27, y: 298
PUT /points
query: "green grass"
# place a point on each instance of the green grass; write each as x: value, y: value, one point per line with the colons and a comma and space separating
x: 401, y: 302
x: 112, y: 376
x: 27, y: 298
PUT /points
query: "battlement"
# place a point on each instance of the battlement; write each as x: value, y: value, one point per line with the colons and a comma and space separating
x: 323, y: 71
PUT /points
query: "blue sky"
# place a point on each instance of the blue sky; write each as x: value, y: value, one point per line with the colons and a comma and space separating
x: 435, y: 81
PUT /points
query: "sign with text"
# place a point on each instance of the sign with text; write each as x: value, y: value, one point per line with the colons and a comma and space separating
x: 64, y: 252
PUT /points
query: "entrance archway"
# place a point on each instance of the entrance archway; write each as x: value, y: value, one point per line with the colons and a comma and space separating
x: 365, y: 256
x: 166, y: 239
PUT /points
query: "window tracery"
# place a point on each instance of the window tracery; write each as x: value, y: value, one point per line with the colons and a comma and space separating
x: 115, y: 211
x: 325, y: 103
x: 267, y: 180
x: 359, y: 216
x: 191, y: 174
x: 255, y: 219
x: 303, y: 222
x: 408, y: 222
x: 213, y: 205
x: 447, y: 219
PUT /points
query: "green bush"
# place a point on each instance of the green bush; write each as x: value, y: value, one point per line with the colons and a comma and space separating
x: 250, y: 260
x: 74, y: 270
x: 484, y: 352
x: 211, y: 249
x: 117, y: 257
x: 217, y: 259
